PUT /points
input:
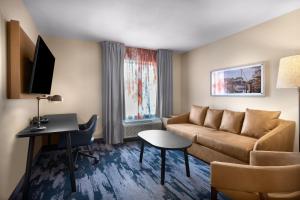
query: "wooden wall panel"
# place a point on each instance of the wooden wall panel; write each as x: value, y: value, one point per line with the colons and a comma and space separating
x: 13, y: 60
x: 19, y: 66
x: 27, y: 54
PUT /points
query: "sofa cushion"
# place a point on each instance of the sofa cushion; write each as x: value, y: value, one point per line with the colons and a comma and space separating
x: 232, y: 121
x: 237, y: 146
x: 187, y: 130
x: 213, y: 118
x: 197, y: 114
x: 258, y: 122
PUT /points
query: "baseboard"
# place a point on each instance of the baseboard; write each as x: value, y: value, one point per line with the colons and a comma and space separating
x: 17, y: 193
x: 99, y: 140
x: 131, y: 139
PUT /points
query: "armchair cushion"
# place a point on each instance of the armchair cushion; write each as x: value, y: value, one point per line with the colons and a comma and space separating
x: 197, y: 115
x: 213, y: 118
x: 232, y: 121
x: 258, y: 122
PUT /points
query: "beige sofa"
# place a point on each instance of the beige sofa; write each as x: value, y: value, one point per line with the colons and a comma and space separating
x: 228, y: 136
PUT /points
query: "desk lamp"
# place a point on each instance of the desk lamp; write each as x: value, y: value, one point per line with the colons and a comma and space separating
x: 54, y: 98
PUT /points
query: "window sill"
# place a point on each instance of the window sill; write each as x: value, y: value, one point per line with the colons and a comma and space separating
x: 141, y: 121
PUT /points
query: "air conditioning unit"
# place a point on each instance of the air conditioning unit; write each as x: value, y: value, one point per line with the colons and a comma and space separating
x: 131, y: 129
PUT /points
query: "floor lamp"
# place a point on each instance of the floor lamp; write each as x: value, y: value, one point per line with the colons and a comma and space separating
x: 289, y: 77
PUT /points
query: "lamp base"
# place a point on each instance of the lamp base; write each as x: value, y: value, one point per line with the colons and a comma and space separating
x: 43, y: 120
x: 37, y: 128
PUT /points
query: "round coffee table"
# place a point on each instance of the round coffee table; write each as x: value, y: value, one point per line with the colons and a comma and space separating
x: 165, y: 140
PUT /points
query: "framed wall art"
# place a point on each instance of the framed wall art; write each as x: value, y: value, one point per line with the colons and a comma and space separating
x: 246, y: 80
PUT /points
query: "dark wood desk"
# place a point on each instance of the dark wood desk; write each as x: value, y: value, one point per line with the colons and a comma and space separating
x: 61, y: 124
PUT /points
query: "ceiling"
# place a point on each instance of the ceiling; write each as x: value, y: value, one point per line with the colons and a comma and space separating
x: 171, y: 24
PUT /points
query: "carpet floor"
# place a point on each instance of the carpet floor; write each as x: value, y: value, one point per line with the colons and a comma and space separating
x: 119, y: 175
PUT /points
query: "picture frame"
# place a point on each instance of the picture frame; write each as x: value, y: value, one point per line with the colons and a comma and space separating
x: 245, y: 80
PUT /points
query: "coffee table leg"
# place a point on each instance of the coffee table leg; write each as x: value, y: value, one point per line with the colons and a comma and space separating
x: 142, y: 151
x: 163, y: 162
x: 187, y: 167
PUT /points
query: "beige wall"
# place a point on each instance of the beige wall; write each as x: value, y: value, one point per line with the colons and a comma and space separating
x: 14, y: 114
x: 267, y: 42
x: 177, y: 59
x: 77, y: 77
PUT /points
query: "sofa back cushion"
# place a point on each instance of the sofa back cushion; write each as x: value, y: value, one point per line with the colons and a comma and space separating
x: 232, y: 121
x: 258, y: 122
x: 213, y: 118
x: 197, y: 115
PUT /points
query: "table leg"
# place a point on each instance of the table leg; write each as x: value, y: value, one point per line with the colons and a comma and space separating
x: 49, y: 139
x: 213, y: 193
x: 187, y: 167
x: 28, y: 168
x: 70, y: 159
x: 163, y: 162
x: 142, y: 151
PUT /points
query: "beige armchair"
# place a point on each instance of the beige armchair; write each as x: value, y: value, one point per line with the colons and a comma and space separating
x: 270, y: 175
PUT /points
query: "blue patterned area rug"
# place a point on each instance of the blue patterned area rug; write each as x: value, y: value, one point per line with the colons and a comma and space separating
x: 119, y: 175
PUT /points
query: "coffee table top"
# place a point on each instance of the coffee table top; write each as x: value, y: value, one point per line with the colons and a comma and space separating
x: 164, y: 139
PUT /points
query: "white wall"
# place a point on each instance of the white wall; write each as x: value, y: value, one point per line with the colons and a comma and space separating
x: 267, y: 42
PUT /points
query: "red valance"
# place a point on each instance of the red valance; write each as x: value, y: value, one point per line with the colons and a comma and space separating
x: 140, y: 55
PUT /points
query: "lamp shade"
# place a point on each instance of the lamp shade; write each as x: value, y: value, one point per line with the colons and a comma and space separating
x: 289, y: 72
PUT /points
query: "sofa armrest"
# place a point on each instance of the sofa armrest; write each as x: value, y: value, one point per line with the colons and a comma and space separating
x: 183, y: 118
x: 246, y: 178
x: 280, y: 138
x: 274, y: 158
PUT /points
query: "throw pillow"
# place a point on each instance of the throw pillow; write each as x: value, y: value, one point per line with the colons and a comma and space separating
x: 197, y: 115
x: 213, y: 118
x: 258, y: 122
x: 232, y: 121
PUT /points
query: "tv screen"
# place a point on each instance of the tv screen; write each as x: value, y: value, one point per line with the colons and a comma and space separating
x: 42, y: 70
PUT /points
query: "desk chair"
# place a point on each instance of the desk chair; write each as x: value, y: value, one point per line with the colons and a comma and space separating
x: 83, y: 137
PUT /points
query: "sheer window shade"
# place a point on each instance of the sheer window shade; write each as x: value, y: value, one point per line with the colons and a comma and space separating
x: 140, y: 83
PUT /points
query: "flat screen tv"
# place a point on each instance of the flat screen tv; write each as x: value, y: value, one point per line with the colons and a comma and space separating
x: 42, y: 70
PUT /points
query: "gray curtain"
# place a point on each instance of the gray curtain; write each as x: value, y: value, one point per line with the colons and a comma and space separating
x: 165, y: 83
x: 112, y: 91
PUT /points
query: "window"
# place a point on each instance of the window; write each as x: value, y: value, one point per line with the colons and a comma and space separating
x: 140, y: 83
